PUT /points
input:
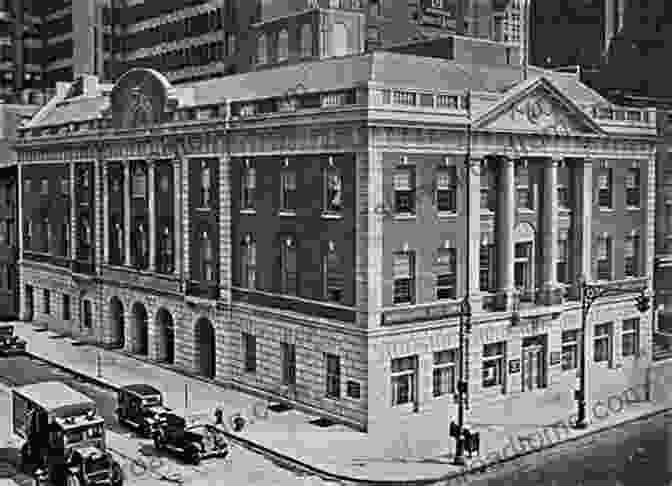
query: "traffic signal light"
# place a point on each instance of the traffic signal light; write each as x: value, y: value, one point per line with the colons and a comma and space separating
x: 643, y: 303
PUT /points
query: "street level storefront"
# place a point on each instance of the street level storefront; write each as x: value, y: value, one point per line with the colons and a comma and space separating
x: 301, y: 232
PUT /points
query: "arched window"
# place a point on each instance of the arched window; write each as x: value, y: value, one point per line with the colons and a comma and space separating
x: 306, y: 40
x: 262, y: 56
x: 283, y: 45
x: 339, y: 40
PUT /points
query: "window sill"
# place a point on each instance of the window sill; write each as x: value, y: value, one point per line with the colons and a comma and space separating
x: 203, y: 209
x: 487, y: 212
x: 606, y: 210
x: 404, y: 217
x: 248, y: 211
x: 447, y: 214
x: 526, y: 211
x: 332, y: 216
x: 633, y: 208
x: 286, y: 213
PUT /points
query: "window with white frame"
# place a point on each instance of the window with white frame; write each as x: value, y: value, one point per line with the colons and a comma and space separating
x: 139, y: 189
x: 288, y: 280
x: 630, y: 337
x: 562, y: 264
x: 444, y: 373
x: 630, y: 254
x: 522, y: 180
x: 208, y: 258
x: 404, y: 379
x: 632, y: 187
x: 249, y: 186
x: 570, y: 349
x: 446, y: 273
x: 493, y: 364
x: 604, y: 252
x: 333, y: 190
x: 446, y: 190
x: 306, y: 40
x: 283, y: 45
x: 602, y: 343
x: 262, y: 49
x: 333, y: 375
x: 205, y: 185
x: 249, y: 352
x: 287, y: 190
x: 404, y: 190
x: 604, y: 184
x: 334, y: 281
x: 248, y: 259
x: 404, y: 277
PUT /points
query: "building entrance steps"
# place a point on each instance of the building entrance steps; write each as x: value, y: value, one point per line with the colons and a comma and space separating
x: 506, y: 430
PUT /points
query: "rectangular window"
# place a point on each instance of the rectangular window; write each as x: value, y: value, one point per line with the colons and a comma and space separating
x: 493, y: 365
x: 208, y: 257
x: 46, y: 304
x: 87, y: 314
x: 631, y: 255
x: 334, y: 280
x: 249, y: 264
x: 288, y: 191
x: 27, y: 186
x: 404, y: 191
x: 563, y: 258
x: 523, y: 194
x: 65, y: 186
x: 249, y: 185
x: 139, y: 186
x: 65, y: 239
x: 445, y: 364
x: 404, y: 277
x: 563, y: 197
x: 632, y: 187
x: 602, y: 343
x: 333, y: 365
x: 404, y: 380
x: 446, y: 190
x: 604, y: 183
x: 487, y: 268
x: 488, y: 192
x: 288, y: 266
x: 630, y: 337
x: 446, y: 274
x: 288, y: 364
x: 44, y: 186
x: 205, y: 187
x: 66, y: 307
x: 250, y: 352
x: 570, y: 349
x: 333, y: 190
x: 604, y: 258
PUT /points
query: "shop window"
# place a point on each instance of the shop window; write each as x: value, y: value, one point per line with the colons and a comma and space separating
x: 602, y: 343
x: 66, y: 307
x: 404, y: 379
x: 288, y: 364
x: 333, y: 375
x: 570, y: 349
x: 250, y: 352
x: 87, y: 315
x: 46, y: 301
x: 493, y: 365
x: 630, y: 337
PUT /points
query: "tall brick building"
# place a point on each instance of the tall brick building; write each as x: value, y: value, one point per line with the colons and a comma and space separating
x: 301, y: 231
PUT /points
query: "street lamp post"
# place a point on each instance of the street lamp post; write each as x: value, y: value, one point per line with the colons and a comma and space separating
x: 590, y: 293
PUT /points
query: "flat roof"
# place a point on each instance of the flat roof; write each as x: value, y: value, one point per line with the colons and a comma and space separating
x: 54, y: 395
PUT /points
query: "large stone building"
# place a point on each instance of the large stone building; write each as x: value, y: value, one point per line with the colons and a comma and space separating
x: 300, y: 231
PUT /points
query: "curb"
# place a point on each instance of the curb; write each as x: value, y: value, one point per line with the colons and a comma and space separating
x: 302, y: 466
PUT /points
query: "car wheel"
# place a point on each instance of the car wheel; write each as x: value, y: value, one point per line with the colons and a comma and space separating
x: 193, y: 456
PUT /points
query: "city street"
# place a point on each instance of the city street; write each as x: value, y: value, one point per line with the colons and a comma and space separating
x: 242, y: 466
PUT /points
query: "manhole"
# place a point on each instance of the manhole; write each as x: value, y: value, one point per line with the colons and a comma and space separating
x: 280, y: 407
x: 322, y: 422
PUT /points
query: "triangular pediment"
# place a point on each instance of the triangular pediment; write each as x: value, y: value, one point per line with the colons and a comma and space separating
x: 537, y: 106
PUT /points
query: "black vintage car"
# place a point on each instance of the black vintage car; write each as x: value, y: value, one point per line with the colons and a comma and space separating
x: 10, y: 345
x: 141, y: 407
x: 192, y: 442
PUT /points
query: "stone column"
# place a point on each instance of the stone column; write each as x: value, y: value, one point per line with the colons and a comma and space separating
x: 177, y: 226
x: 127, y: 213
x: 505, y: 219
x: 549, y: 237
x: 474, y: 195
x: 224, y: 208
x: 73, y: 212
x: 106, y: 214
x: 151, y: 208
x: 184, y: 189
x: 582, y: 222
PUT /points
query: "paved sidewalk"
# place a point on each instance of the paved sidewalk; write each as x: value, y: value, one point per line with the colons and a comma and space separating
x: 337, y: 449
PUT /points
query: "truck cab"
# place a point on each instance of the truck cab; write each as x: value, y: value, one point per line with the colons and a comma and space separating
x: 64, y: 436
x: 141, y: 407
x: 10, y: 345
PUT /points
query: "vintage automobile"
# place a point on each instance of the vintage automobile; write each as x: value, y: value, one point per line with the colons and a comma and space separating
x: 191, y: 441
x: 10, y: 345
x: 141, y: 407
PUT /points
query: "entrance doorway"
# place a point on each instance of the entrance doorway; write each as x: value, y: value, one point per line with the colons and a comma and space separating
x: 534, y: 363
x: 117, y: 323
x: 166, y: 337
x: 205, y: 344
x: 29, y: 303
